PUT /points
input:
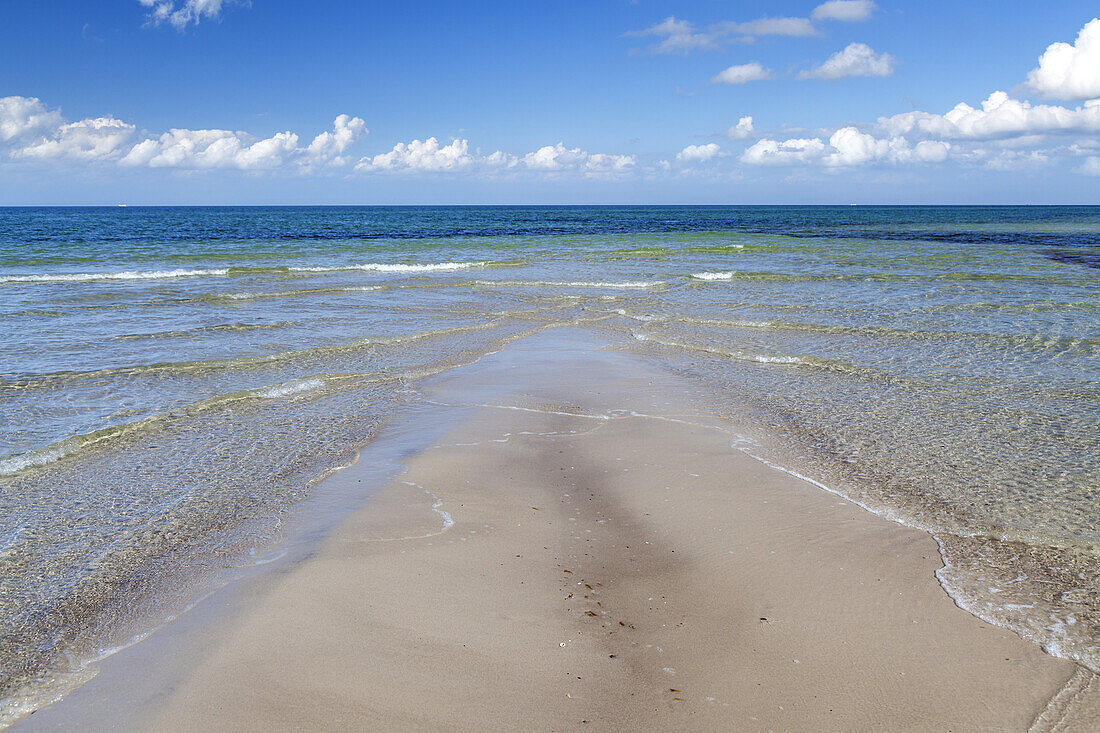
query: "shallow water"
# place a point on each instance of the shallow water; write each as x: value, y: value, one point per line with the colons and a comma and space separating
x: 174, y: 381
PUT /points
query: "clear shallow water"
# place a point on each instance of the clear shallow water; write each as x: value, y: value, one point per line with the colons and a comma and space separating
x: 173, y: 381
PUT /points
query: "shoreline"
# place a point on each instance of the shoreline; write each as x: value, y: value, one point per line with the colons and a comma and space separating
x: 782, y: 606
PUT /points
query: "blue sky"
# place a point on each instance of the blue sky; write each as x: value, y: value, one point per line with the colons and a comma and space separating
x: 605, y: 101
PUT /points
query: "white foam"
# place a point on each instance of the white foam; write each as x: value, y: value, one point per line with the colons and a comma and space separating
x: 770, y: 359
x: 127, y: 275
x: 743, y: 355
x: 296, y: 387
x: 15, y: 464
x: 635, y: 316
x: 715, y: 275
x: 447, y: 521
x: 250, y: 296
x: 575, y: 284
x: 383, y: 267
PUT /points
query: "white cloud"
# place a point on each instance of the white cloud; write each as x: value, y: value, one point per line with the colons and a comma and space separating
x: 682, y: 36
x: 852, y: 147
x: 1011, y: 160
x: 417, y: 155
x: 99, y: 138
x: 999, y: 116
x: 23, y: 118
x: 181, y: 14
x: 856, y: 59
x: 848, y: 146
x: 1091, y: 166
x: 931, y: 151
x: 29, y: 130
x: 500, y: 160
x: 742, y: 74
x: 345, y: 131
x: 698, y: 153
x: 560, y: 158
x: 768, y: 27
x: 785, y: 152
x: 429, y: 156
x: 180, y: 148
x: 846, y: 10
x: 553, y: 158
x: 597, y: 163
x: 679, y: 36
x: 1070, y: 72
x: 740, y: 131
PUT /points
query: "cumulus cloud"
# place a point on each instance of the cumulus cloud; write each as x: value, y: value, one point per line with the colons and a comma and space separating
x: 1070, y: 72
x: 429, y: 156
x: 784, y: 152
x: 742, y: 74
x: 417, y: 155
x: 682, y: 36
x: 856, y: 59
x: 1000, y: 116
x: 740, y: 131
x: 554, y: 158
x: 560, y: 158
x: 848, y: 146
x: 31, y: 131
x: 180, y: 148
x: 23, y: 118
x: 182, y: 14
x: 605, y: 163
x: 99, y: 138
x: 345, y: 131
x: 698, y: 153
x: 847, y: 10
x: 931, y: 151
x: 28, y: 130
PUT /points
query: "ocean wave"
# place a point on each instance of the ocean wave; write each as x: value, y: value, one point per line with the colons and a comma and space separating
x: 729, y: 353
x: 291, y: 388
x: 805, y: 361
x: 15, y: 464
x: 572, y: 284
x: 293, y: 293
x: 104, y: 276
x: 646, y: 318
x: 52, y: 453
x: 384, y: 267
x: 233, y: 271
x: 278, y: 357
x: 1081, y: 344
x: 219, y: 328
x: 714, y: 275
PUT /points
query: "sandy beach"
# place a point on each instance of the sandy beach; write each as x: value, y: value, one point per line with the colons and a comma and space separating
x: 584, y: 550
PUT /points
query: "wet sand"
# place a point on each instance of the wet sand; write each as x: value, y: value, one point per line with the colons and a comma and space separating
x: 585, y: 551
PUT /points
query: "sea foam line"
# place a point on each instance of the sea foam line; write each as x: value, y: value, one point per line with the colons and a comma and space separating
x: 126, y: 275
x: 383, y: 267
x: 742, y: 355
x: 290, y: 388
x: 573, y: 284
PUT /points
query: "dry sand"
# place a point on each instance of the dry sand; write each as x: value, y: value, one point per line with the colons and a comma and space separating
x: 631, y: 573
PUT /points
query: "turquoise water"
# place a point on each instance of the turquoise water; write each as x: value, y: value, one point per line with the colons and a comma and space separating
x: 174, y: 381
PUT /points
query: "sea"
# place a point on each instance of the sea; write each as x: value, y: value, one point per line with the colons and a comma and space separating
x: 176, y: 382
